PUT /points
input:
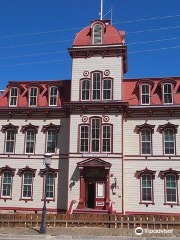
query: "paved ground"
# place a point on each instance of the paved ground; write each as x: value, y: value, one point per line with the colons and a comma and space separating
x: 81, y: 234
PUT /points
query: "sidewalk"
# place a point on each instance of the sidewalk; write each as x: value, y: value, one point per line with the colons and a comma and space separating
x: 80, y: 233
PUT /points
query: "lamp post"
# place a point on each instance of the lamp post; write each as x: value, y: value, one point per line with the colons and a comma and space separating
x: 47, y: 163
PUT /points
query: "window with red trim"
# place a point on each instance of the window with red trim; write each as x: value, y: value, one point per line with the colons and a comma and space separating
x: 169, y: 141
x: 10, y: 141
x: 50, y: 186
x: 6, y: 184
x: 171, y: 188
x: 13, y: 97
x: 30, y: 141
x: 85, y: 87
x: 51, y: 140
x: 84, y: 138
x: 53, y: 96
x: 145, y: 94
x: 27, y: 188
x: 106, y: 138
x: 145, y: 141
x: 146, y: 187
x: 107, y: 89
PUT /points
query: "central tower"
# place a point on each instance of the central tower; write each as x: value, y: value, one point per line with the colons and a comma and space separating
x: 99, y: 61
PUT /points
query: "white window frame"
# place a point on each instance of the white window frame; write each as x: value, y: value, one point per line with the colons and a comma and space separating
x: 169, y: 141
x: 30, y: 141
x: 150, y: 142
x: 84, y: 138
x: 31, y: 186
x: 106, y: 89
x: 96, y: 139
x: 103, y: 189
x: 50, y: 198
x: 94, y: 34
x: 168, y: 93
x: 86, y: 89
x: 148, y: 201
x: 169, y: 202
x: 11, y: 89
x: 33, y: 96
x: 145, y: 94
x: 51, y: 141
x: 9, y: 196
x: 96, y: 89
x: 10, y: 129
x: 106, y: 125
x: 53, y: 96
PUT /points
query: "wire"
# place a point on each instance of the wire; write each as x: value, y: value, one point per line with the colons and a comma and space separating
x: 147, y: 19
x: 31, y: 63
x: 155, y: 49
x: 34, y: 44
x: 154, y: 29
x: 29, y: 55
x: 158, y: 40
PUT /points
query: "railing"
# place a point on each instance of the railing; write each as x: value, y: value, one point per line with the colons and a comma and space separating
x: 91, y: 220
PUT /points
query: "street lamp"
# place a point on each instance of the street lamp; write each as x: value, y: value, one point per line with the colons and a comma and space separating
x: 47, y: 162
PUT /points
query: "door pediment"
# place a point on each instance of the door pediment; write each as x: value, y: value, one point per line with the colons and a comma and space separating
x: 94, y: 162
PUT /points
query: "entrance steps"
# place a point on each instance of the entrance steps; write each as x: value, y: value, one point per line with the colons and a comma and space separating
x: 90, y: 211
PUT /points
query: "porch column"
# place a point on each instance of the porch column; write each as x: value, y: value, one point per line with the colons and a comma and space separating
x: 82, y: 190
x: 107, y: 190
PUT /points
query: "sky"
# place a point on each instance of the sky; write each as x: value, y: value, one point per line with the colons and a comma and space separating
x: 35, y: 35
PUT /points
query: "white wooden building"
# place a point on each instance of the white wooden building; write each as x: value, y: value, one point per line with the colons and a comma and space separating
x: 114, y: 141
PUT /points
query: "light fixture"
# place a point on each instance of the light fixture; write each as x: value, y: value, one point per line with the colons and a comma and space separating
x: 47, y: 159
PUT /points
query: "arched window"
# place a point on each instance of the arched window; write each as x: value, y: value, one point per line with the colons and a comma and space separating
x: 146, y: 187
x: 85, y: 89
x: 169, y: 142
x: 145, y: 141
x: 97, y: 35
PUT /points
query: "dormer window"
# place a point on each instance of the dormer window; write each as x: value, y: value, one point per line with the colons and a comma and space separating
x: 167, y: 93
x: 13, y: 97
x: 145, y: 94
x: 33, y: 97
x: 53, y: 96
x: 97, y: 34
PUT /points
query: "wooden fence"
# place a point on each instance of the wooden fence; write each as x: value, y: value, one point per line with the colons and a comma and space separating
x: 91, y: 220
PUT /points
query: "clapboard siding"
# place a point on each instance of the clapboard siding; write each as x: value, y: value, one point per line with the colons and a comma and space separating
x: 116, y: 171
x: 131, y: 138
x: 132, y: 186
x: 115, y: 120
x: 114, y: 64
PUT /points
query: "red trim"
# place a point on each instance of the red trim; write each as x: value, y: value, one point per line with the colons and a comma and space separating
x: 2, y: 170
x: 161, y: 128
x: 153, y: 213
x: 30, y: 209
x: 51, y: 126
x: 27, y: 169
x: 9, y: 126
x: 152, y: 188
x: 30, y: 126
x: 145, y: 171
x: 145, y: 125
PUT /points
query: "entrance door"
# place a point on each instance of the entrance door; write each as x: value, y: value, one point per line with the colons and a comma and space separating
x: 90, y: 195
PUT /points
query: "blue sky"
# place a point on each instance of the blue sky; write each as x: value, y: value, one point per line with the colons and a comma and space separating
x: 19, y: 17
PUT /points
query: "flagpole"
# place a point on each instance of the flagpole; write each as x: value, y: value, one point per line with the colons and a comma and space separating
x: 101, y: 9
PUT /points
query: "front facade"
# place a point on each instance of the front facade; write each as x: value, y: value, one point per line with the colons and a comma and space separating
x: 114, y: 141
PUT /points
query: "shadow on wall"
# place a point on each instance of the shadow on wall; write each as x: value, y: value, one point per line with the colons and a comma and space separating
x: 74, y: 178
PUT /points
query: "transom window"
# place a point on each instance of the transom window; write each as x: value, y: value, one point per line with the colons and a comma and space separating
x: 146, y: 187
x: 50, y: 186
x: 6, y: 184
x: 53, y: 96
x: 145, y: 94
x: 33, y: 96
x: 85, y: 85
x: 13, y: 97
x: 30, y: 141
x: 167, y: 93
x: 99, y: 135
x: 171, y: 188
x: 97, y: 36
x: 27, y: 185
x: 169, y: 141
x: 145, y: 141
x: 10, y: 140
x: 51, y: 140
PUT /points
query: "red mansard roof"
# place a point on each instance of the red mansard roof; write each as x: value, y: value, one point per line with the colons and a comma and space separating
x: 131, y: 90
x: 64, y: 87
x: 111, y: 34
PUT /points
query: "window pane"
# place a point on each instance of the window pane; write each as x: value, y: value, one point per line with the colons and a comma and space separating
x: 51, y: 140
x: 84, y: 138
x: 13, y: 96
x: 107, y: 89
x: 171, y: 188
x: 33, y: 97
x: 10, y: 139
x: 146, y: 141
x: 146, y: 187
x: 106, y: 144
x: 169, y: 143
x: 85, y: 90
x: 50, y: 186
x: 6, y: 185
x: 167, y: 93
x: 30, y: 140
x: 145, y: 94
x: 53, y: 96
x: 95, y: 135
x: 96, y: 86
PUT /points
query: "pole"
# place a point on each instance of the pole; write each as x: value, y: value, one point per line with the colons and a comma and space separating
x: 101, y: 9
x: 43, y: 223
x: 111, y: 14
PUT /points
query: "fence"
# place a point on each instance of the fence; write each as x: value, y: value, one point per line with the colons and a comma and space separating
x: 91, y: 220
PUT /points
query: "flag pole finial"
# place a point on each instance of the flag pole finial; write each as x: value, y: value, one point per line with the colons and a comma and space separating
x: 101, y: 9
